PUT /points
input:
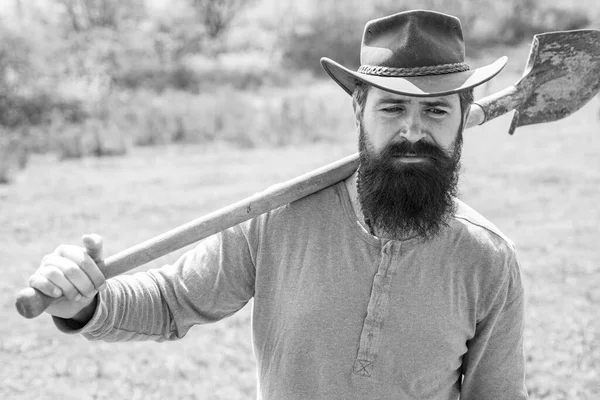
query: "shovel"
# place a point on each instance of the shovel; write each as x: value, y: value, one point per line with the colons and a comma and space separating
x: 562, y: 74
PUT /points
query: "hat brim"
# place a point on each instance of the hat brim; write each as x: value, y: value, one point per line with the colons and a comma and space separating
x: 418, y: 86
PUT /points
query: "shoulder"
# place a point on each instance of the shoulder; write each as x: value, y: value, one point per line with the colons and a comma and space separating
x: 312, y: 207
x: 310, y: 211
x: 487, y: 253
x: 480, y: 229
x: 490, y: 258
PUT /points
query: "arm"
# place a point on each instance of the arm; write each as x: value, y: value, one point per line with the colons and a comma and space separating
x: 494, y: 365
x: 208, y: 283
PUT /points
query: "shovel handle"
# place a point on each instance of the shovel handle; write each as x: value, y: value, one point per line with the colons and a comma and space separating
x: 495, y: 105
x: 30, y: 302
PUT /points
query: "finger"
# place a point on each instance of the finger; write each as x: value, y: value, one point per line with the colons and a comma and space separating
x: 57, y: 277
x: 93, y: 272
x: 70, y: 266
x: 93, y: 246
x: 41, y: 283
x: 83, y: 262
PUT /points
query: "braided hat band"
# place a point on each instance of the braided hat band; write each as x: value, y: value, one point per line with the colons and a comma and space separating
x: 416, y: 71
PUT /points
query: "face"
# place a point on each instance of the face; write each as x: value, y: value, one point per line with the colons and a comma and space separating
x: 391, y: 118
x: 409, y: 162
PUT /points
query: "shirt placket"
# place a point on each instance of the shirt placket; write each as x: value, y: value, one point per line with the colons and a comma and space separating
x: 377, y: 309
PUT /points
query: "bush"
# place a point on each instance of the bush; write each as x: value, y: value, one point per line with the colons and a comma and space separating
x: 268, y: 117
x: 14, y: 155
x: 92, y: 138
x: 528, y: 18
x: 336, y: 32
x: 37, y: 108
x: 197, y: 74
x: 326, y: 32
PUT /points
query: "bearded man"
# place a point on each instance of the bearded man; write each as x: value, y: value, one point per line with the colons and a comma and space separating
x: 384, y: 286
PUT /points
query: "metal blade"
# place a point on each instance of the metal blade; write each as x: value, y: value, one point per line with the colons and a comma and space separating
x: 564, y: 70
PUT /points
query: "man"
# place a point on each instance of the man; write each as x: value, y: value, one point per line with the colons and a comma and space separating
x: 384, y: 286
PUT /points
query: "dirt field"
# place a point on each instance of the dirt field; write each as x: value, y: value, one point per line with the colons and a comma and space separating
x: 541, y: 187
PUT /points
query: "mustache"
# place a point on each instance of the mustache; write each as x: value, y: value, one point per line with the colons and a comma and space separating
x: 420, y: 148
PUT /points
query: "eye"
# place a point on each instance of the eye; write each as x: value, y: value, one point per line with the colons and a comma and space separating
x: 394, y: 109
x: 437, y: 111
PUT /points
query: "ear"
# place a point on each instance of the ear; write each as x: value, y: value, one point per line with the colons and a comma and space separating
x: 466, y: 117
x: 357, y: 116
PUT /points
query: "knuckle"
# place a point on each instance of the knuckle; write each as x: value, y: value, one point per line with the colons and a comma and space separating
x: 89, y: 262
x: 69, y: 251
x: 53, y: 273
x: 60, y: 250
x: 48, y: 288
x: 74, y: 254
x: 71, y: 271
x: 45, y: 286
x: 47, y: 259
x: 33, y: 280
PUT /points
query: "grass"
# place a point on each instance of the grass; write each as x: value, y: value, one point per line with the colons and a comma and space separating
x: 541, y: 187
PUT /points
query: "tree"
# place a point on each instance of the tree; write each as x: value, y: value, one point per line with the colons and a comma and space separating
x: 88, y: 14
x: 217, y: 15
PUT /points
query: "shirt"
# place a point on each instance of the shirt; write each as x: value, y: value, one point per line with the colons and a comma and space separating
x: 339, y: 313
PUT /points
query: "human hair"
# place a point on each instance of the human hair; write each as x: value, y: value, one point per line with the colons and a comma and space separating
x: 361, y: 91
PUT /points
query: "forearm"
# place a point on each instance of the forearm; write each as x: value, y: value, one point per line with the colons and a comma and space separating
x: 130, y: 308
x: 204, y: 285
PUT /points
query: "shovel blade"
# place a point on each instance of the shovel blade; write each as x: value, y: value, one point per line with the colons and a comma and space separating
x: 562, y: 74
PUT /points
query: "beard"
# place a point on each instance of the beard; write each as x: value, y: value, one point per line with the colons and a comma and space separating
x: 402, y: 199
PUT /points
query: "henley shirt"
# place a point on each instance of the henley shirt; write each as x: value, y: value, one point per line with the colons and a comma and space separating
x: 339, y: 313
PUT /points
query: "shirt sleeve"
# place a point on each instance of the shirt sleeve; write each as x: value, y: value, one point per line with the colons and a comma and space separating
x: 206, y: 284
x: 494, y: 365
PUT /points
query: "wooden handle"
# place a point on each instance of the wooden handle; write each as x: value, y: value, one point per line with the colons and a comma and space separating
x: 30, y: 303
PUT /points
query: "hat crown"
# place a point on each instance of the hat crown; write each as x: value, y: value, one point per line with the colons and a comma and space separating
x: 413, y: 39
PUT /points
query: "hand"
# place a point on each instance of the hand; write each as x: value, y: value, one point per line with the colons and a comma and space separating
x: 72, y: 274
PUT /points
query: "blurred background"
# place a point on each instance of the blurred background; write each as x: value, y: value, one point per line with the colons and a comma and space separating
x: 85, y: 78
x: 130, y: 117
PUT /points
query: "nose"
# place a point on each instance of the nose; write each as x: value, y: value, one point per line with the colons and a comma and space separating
x: 412, y: 127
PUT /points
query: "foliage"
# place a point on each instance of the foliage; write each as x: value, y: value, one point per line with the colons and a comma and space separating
x: 266, y: 118
x: 63, y: 66
x: 13, y: 155
x: 334, y: 31
x: 88, y: 14
x: 329, y: 31
x: 217, y: 15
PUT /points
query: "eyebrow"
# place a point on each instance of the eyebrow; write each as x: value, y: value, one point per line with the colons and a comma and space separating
x: 428, y: 103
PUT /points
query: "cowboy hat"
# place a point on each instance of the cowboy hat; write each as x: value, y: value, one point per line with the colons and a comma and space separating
x: 415, y: 53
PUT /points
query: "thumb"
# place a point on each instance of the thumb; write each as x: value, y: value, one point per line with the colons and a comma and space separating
x: 93, y: 246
